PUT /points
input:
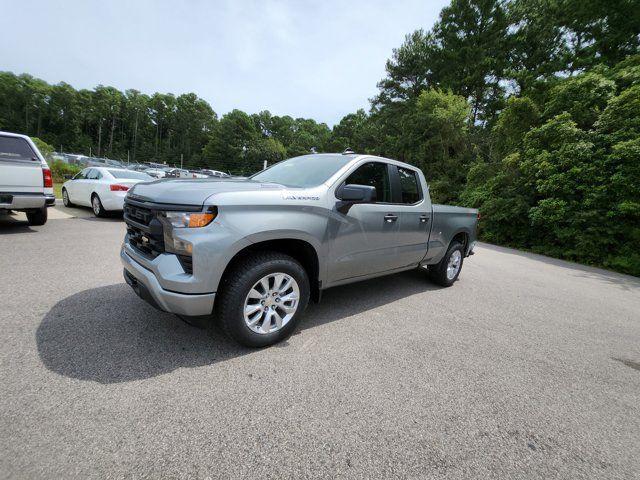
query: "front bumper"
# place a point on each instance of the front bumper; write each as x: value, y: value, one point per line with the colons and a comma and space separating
x: 147, y: 287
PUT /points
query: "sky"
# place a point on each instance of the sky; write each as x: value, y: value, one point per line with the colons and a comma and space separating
x: 312, y: 59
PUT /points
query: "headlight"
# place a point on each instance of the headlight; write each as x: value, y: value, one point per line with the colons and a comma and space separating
x: 188, y: 219
x: 174, y: 221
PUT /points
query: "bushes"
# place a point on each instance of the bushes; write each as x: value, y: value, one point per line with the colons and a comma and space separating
x: 61, y: 171
x: 569, y: 187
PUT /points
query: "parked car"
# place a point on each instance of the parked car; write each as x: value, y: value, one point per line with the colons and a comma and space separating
x: 26, y: 184
x: 156, y: 172
x: 178, y: 173
x: 214, y: 173
x: 261, y: 247
x: 101, y: 188
x: 197, y: 174
x: 138, y: 167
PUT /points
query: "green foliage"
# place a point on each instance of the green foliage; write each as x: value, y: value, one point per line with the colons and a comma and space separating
x: 518, y: 117
x: 435, y: 139
x: 570, y: 188
x: 584, y: 97
x: 60, y: 170
x: 45, y: 148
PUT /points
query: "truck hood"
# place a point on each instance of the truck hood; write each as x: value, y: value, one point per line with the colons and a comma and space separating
x: 194, y: 191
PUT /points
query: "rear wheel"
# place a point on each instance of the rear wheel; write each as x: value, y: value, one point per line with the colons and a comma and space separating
x: 65, y: 198
x: 96, y: 205
x: 37, y: 217
x: 446, y: 272
x: 262, y: 299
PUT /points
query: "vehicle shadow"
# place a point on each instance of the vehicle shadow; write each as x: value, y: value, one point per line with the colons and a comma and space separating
x: 86, y: 213
x: 109, y: 335
x: 9, y: 224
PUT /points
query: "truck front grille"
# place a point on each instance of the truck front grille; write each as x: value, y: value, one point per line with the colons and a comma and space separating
x: 144, y: 229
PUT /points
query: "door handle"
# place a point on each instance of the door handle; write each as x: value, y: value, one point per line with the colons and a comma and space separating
x: 390, y: 217
x: 424, y: 218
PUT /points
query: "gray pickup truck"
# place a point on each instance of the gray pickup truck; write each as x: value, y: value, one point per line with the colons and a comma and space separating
x: 250, y: 253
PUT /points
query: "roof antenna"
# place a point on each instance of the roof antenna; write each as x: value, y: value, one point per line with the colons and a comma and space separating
x: 348, y: 151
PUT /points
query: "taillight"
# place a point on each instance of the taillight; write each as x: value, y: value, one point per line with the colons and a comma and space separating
x: 46, y: 177
x: 118, y: 188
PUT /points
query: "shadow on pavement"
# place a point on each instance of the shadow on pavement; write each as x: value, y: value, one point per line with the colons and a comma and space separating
x: 10, y: 224
x: 109, y: 335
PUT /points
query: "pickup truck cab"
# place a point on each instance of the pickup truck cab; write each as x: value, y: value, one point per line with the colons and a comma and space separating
x: 26, y: 184
x: 253, y: 251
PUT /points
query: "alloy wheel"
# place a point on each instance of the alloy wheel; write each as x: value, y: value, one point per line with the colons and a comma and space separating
x: 271, y: 303
x: 453, y: 267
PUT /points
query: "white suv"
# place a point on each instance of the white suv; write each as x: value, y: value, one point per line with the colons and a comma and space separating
x: 25, y: 178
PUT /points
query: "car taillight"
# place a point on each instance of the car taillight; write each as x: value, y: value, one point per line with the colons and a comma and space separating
x: 46, y: 177
x: 118, y: 188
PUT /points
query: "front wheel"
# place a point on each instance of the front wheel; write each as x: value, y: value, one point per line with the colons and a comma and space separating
x: 262, y: 299
x: 446, y: 272
x: 37, y: 217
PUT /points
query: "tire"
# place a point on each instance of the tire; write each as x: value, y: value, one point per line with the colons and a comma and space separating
x: 244, y: 278
x: 440, y: 272
x: 96, y: 206
x: 65, y: 198
x: 37, y: 217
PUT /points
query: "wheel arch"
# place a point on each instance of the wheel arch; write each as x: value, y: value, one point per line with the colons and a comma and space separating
x: 298, y: 248
x: 463, y: 237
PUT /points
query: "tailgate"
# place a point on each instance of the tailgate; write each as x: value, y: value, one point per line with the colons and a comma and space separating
x: 20, y: 167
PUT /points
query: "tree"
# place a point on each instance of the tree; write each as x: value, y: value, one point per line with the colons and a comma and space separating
x: 471, y: 36
x: 435, y: 140
x: 233, y: 136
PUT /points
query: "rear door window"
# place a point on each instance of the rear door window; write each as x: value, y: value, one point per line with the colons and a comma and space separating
x: 94, y: 174
x: 409, y: 186
x: 15, y: 149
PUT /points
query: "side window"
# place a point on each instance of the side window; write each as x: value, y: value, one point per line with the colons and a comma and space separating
x: 409, y: 186
x: 15, y: 149
x: 94, y: 174
x: 375, y: 174
x: 81, y: 175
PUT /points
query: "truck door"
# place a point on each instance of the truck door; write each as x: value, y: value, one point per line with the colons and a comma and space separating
x: 364, y: 239
x: 415, y: 215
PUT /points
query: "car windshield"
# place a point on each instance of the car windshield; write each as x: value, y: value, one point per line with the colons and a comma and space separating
x: 129, y: 174
x: 303, y: 172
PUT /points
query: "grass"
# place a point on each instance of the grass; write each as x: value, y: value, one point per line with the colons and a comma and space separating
x: 57, y: 189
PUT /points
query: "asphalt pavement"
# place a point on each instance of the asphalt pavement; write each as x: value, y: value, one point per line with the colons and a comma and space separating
x: 528, y: 367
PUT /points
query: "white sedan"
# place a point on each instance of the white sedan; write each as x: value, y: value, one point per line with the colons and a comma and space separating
x: 102, y: 189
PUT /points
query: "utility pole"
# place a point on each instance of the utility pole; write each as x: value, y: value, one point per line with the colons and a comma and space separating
x: 128, y: 162
x: 181, y: 156
x: 264, y: 165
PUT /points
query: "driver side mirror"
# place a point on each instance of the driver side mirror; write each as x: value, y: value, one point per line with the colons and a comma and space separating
x: 352, y: 194
x: 357, y: 193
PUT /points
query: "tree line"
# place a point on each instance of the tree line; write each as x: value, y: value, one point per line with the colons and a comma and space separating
x: 526, y: 109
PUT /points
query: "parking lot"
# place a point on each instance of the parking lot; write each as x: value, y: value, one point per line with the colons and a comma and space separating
x: 528, y: 367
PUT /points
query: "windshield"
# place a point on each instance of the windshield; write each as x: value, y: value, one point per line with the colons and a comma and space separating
x: 303, y: 172
x: 129, y: 174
